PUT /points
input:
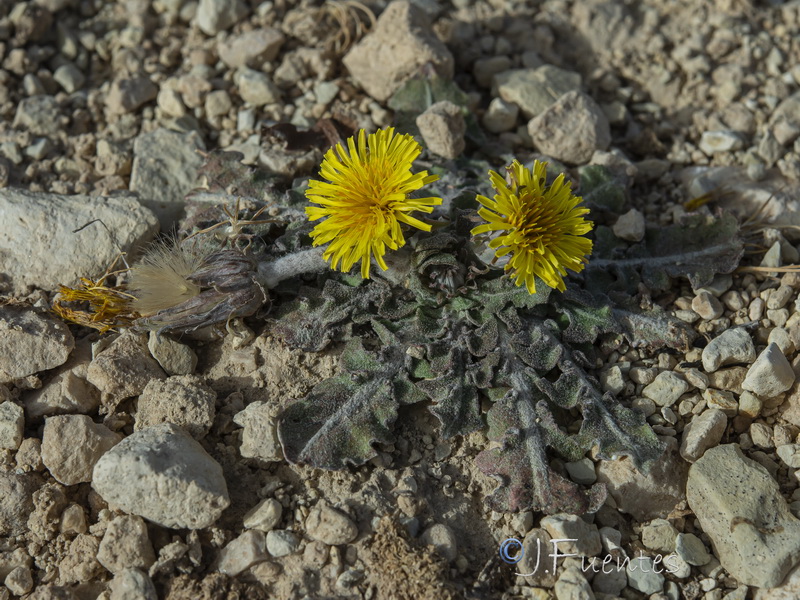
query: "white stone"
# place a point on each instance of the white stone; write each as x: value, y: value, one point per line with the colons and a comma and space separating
x: 582, y: 471
x: 702, y: 433
x: 126, y: 545
x: 534, y: 90
x: 128, y: 94
x: 731, y: 346
x: 72, y: 445
x: 165, y: 165
x: 162, y: 474
x: 443, y: 539
x: 630, y: 226
x: 691, y: 549
x: 243, y: 552
x: 572, y: 585
x: 183, y: 400
x: 659, y: 535
x: 770, y: 374
x: 214, y: 16
x: 643, y: 577
x: 790, y: 455
x: 264, y: 516
x: 12, y: 425
x: 44, y: 249
x: 740, y: 507
x: 171, y: 103
x: 707, y: 306
x: 650, y: 495
x: 132, y: 584
x: 251, y: 48
x: 394, y: 51
x: 218, y: 103
x: 712, y: 142
x: 500, y: 116
x: 69, y: 77
x: 30, y: 340
x: 723, y: 400
x: 749, y: 405
x: 19, y: 581
x: 330, y: 526
x: 281, y: 542
x: 123, y: 369
x: 442, y: 128
x: 256, y: 88
x: 666, y: 388
x: 260, y: 437
x: 39, y: 115
x: 572, y: 129
x: 571, y: 527
x: 174, y: 357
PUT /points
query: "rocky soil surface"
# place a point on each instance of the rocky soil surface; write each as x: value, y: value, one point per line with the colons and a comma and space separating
x: 136, y: 467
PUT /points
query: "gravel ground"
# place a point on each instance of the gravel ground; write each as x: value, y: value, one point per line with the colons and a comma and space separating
x: 107, y: 110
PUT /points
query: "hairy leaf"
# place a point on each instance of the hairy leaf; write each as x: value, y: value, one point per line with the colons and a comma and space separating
x: 342, y: 418
x: 600, y: 188
x: 520, y: 423
x: 698, y: 249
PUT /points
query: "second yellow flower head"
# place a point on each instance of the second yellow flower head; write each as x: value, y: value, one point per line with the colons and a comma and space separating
x: 540, y: 226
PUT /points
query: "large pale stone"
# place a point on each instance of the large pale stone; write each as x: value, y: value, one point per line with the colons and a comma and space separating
x: 162, y: 474
x: 58, y: 239
x: 396, y: 50
x: 740, y: 507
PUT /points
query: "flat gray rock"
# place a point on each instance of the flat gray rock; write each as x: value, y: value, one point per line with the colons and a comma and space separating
x: 646, y: 496
x: 740, y: 507
x: 56, y: 239
x: 165, y: 165
x: 162, y: 474
x: 535, y: 90
x: 31, y: 341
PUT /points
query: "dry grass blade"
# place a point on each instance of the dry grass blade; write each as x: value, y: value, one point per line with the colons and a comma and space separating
x: 349, y: 22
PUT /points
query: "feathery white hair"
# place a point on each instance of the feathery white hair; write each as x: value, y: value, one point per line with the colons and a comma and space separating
x: 160, y: 280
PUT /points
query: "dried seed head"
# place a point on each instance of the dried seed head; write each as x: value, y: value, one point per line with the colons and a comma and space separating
x: 221, y: 287
x: 162, y: 279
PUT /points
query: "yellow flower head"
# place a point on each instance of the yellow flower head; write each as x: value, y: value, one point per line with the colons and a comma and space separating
x: 541, y: 226
x: 366, y: 197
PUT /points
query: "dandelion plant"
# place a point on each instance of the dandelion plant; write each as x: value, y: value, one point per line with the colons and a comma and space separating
x: 482, y: 321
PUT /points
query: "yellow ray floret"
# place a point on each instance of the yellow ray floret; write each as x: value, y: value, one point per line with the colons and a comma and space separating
x: 108, y: 307
x: 366, y: 198
x: 539, y: 226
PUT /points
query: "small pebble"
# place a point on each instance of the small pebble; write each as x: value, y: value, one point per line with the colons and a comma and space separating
x: 443, y: 539
x: 666, y: 388
x: 691, y: 549
x: 281, y: 542
x: 707, y: 306
x: 770, y: 374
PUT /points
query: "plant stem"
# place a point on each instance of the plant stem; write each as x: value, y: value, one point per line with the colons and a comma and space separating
x: 270, y: 274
